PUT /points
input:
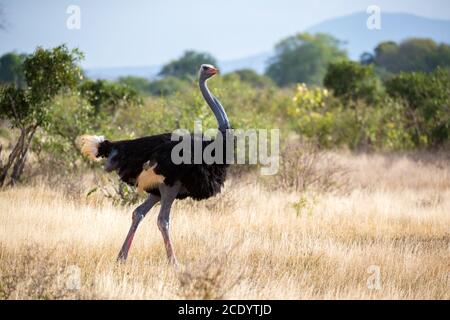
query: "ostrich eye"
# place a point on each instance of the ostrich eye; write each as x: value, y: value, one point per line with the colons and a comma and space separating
x: 205, y: 68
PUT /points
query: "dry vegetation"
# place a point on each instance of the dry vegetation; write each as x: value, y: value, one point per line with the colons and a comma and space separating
x: 251, y: 242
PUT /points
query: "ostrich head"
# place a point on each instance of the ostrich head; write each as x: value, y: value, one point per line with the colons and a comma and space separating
x: 207, y: 71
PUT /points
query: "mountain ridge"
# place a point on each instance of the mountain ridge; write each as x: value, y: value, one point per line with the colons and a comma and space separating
x: 395, y: 26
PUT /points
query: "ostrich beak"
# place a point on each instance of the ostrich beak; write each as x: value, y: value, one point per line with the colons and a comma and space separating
x: 213, y: 71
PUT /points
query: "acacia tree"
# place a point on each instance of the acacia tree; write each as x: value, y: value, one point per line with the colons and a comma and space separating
x: 411, y: 55
x: 47, y: 73
x: 186, y: 66
x: 303, y: 58
x: 11, y: 69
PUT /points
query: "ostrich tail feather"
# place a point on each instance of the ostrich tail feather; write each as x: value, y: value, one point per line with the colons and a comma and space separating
x: 89, y: 145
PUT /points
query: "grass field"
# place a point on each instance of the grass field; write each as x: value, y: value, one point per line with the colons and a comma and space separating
x: 385, y: 235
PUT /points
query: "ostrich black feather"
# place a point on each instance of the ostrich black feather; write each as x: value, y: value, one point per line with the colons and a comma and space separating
x: 127, y: 158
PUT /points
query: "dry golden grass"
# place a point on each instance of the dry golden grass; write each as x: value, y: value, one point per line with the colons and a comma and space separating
x: 248, y: 243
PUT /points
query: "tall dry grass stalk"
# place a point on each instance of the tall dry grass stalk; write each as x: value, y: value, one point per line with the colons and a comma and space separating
x: 387, y: 236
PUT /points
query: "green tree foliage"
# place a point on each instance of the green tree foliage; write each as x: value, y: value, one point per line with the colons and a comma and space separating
x: 72, y: 116
x: 93, y: 108
x: 411, y: 55
x: 331, y: 123
x: 107, y: 97
x: 251, y: 77
x: 47, y: 73
x: 137, y: 83
x: 161, y: 87
x: 352, y: 81
x: 427, y: 101
x: 251, y: 108
x: 166, y: 86
x: 11, y: 69
x: 186, y: 67
x: 304, y: 58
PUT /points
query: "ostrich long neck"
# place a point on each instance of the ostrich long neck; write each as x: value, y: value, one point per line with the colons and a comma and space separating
x: 216, y: 107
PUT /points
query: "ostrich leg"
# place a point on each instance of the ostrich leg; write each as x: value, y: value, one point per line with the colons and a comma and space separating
x: 138, y: 214
x: 168, y: 195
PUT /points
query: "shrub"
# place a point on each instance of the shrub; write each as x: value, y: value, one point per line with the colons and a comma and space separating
x: 108, y: 97
x: 166, y: 86
x: 427, y: 105
x: 303, y: 167
x: 331, y: 122
x: 351, y: 81
x: 251, y: 77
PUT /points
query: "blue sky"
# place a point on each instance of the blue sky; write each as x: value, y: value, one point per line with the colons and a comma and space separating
x: 150, y: 32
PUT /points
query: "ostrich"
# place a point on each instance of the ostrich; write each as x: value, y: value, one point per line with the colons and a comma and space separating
x: 146, y: 163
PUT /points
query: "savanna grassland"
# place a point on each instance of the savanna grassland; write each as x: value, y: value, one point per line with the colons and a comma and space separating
x: 360, y: 208
x: 382, y: 231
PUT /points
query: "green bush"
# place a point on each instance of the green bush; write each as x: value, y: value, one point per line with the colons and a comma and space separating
x: 166, y: 86
x: 108, y: 97
x: 331, y: 122
x: 136, y: 83
x: 427, y: 105
x: 350, y: 80
x: 251, y: 77
x: 71, y: 116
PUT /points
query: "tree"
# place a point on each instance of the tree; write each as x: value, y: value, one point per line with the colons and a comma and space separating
x: 11, y: 69
x: 427, y: 100
x: 411, y: 55
x: 304, y: 58
x: 251, y: 77
x: 352, y: 81
x: 139, y: 84
x: 107, y: 97
x: 160, y: 87
x: 366, y: 59
x: 187, y: 66
x: 47, y: 72
x: 166, y: 86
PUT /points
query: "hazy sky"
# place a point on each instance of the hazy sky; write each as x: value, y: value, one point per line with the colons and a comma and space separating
x: 150, y: 32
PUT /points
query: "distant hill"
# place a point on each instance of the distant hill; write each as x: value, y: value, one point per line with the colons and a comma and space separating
x: 351, y: 29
